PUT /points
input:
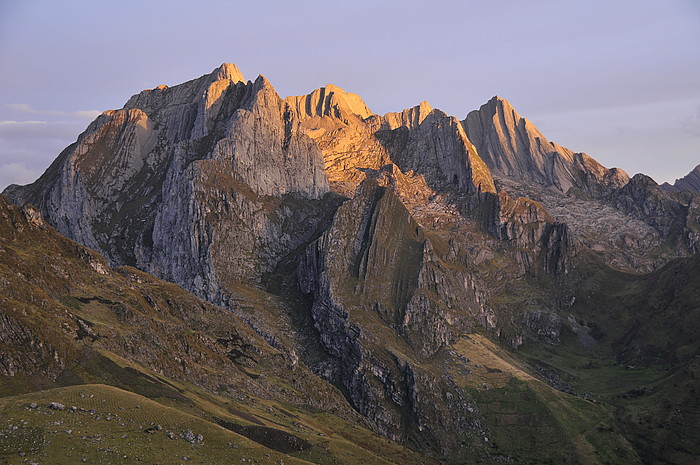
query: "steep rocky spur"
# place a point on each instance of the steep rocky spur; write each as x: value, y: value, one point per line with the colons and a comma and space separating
x: 375, y: 253
x: 147, y: 185
x: 689, y: 182
x: 632, y: 222
x: 115, y: 348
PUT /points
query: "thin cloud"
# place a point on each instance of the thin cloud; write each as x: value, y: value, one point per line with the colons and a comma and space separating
x: 28, y: 147
x: 690, y: 125
x: 26, y: 131
x: 623, y: 130
x: 16, y: 173
x: 26, y: 108
x: 21, y: 123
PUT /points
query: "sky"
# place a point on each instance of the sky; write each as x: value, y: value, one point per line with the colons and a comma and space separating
x: 618, y: 80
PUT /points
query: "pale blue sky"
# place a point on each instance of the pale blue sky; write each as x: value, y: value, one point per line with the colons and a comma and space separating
x: 619, y: 80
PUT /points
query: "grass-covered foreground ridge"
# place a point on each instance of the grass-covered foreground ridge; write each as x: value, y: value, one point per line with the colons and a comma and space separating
x: 148, y: 368
x: 96, y: 423
x: 111, y: 365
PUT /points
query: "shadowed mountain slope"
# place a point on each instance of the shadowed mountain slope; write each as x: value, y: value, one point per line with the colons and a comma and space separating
x: 422, y: 277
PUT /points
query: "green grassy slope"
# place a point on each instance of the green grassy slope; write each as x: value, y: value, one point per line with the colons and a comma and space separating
x: 622, y: 386
x: 631, y: 343
x: 72, y: 328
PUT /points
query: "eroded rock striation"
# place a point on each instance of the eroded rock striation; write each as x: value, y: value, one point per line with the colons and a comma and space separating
x: 689, y: 182
x: 368, y: 249
x: 172, y: 180
x: 383, y: 303
x: 514, y: 148
x: 603, y: 207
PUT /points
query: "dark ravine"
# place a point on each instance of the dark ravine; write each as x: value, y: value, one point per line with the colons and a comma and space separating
x: 417, y: 270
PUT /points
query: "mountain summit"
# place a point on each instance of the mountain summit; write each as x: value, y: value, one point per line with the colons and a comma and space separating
x: 514, y: 148
x: 689, y: 182
x: 465, y: 289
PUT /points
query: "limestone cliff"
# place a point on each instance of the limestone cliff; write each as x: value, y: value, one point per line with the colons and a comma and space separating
x: 525, y: 224
x: 383, y: 303
x: 431, y: 143
x: 179, y: 174
x: 595, y: 202
x: 365, y: 247
x: 343, y: 127
x: 431, y: 165
x: 420, y: 141
x: 675, y: 216
x: 514, y: 148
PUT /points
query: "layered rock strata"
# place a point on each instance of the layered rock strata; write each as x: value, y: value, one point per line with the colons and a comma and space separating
x: 614, y: 220
x: 172, y: 180
x: 384, y: 303
x: 689, y: 182
x: 514, y: 148
x: 400, y: 234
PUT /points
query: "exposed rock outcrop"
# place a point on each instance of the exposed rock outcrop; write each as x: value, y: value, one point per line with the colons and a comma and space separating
x: 420, y: 141
x: 526, y: 225
x: 602, y: 207
x: 689, y: 182
x: 179, y: 174
x: 514, y: 148
x: 373, y: 275
x: 343, y: 127
x: 61, y: 319
x: 434, y: 145
x: 675, y: 217
x: 362, y: 246
x: 331, y: 101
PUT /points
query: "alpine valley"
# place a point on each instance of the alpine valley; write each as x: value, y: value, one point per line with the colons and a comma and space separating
x: 214, y: 274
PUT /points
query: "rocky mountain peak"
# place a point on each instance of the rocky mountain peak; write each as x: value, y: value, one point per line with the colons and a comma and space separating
x: 498, y: 103
x: 513, y: 147
x: 331, y: 101
x: 262, y: 97
x: 228, y: 71
x: 173, y: 161
x: 516, y: 151
x: 410, y: 117
x: 211, y: 86
x: 377, y: 251
x: 689, y: 182
x: 500, y: 109
x: 261, y: 82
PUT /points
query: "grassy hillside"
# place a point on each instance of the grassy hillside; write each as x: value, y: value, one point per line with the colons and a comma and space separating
x: 140, y: 358
x: 141, y: 353
x: 527, y: 418
x: 631, y: 342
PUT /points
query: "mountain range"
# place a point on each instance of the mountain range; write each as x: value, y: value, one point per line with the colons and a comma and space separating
x: 311, y: 282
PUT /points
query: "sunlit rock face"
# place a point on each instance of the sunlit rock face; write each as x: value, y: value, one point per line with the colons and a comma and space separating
x: 384, y: 302
x: 577, y: 190
x: 172, y: 180
x: 363, y: 246
x: 188, y: 182
x: 420, y: 141
x: 514, y: 148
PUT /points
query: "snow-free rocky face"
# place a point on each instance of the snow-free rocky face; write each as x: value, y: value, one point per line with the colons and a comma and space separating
x: 398, y: 258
